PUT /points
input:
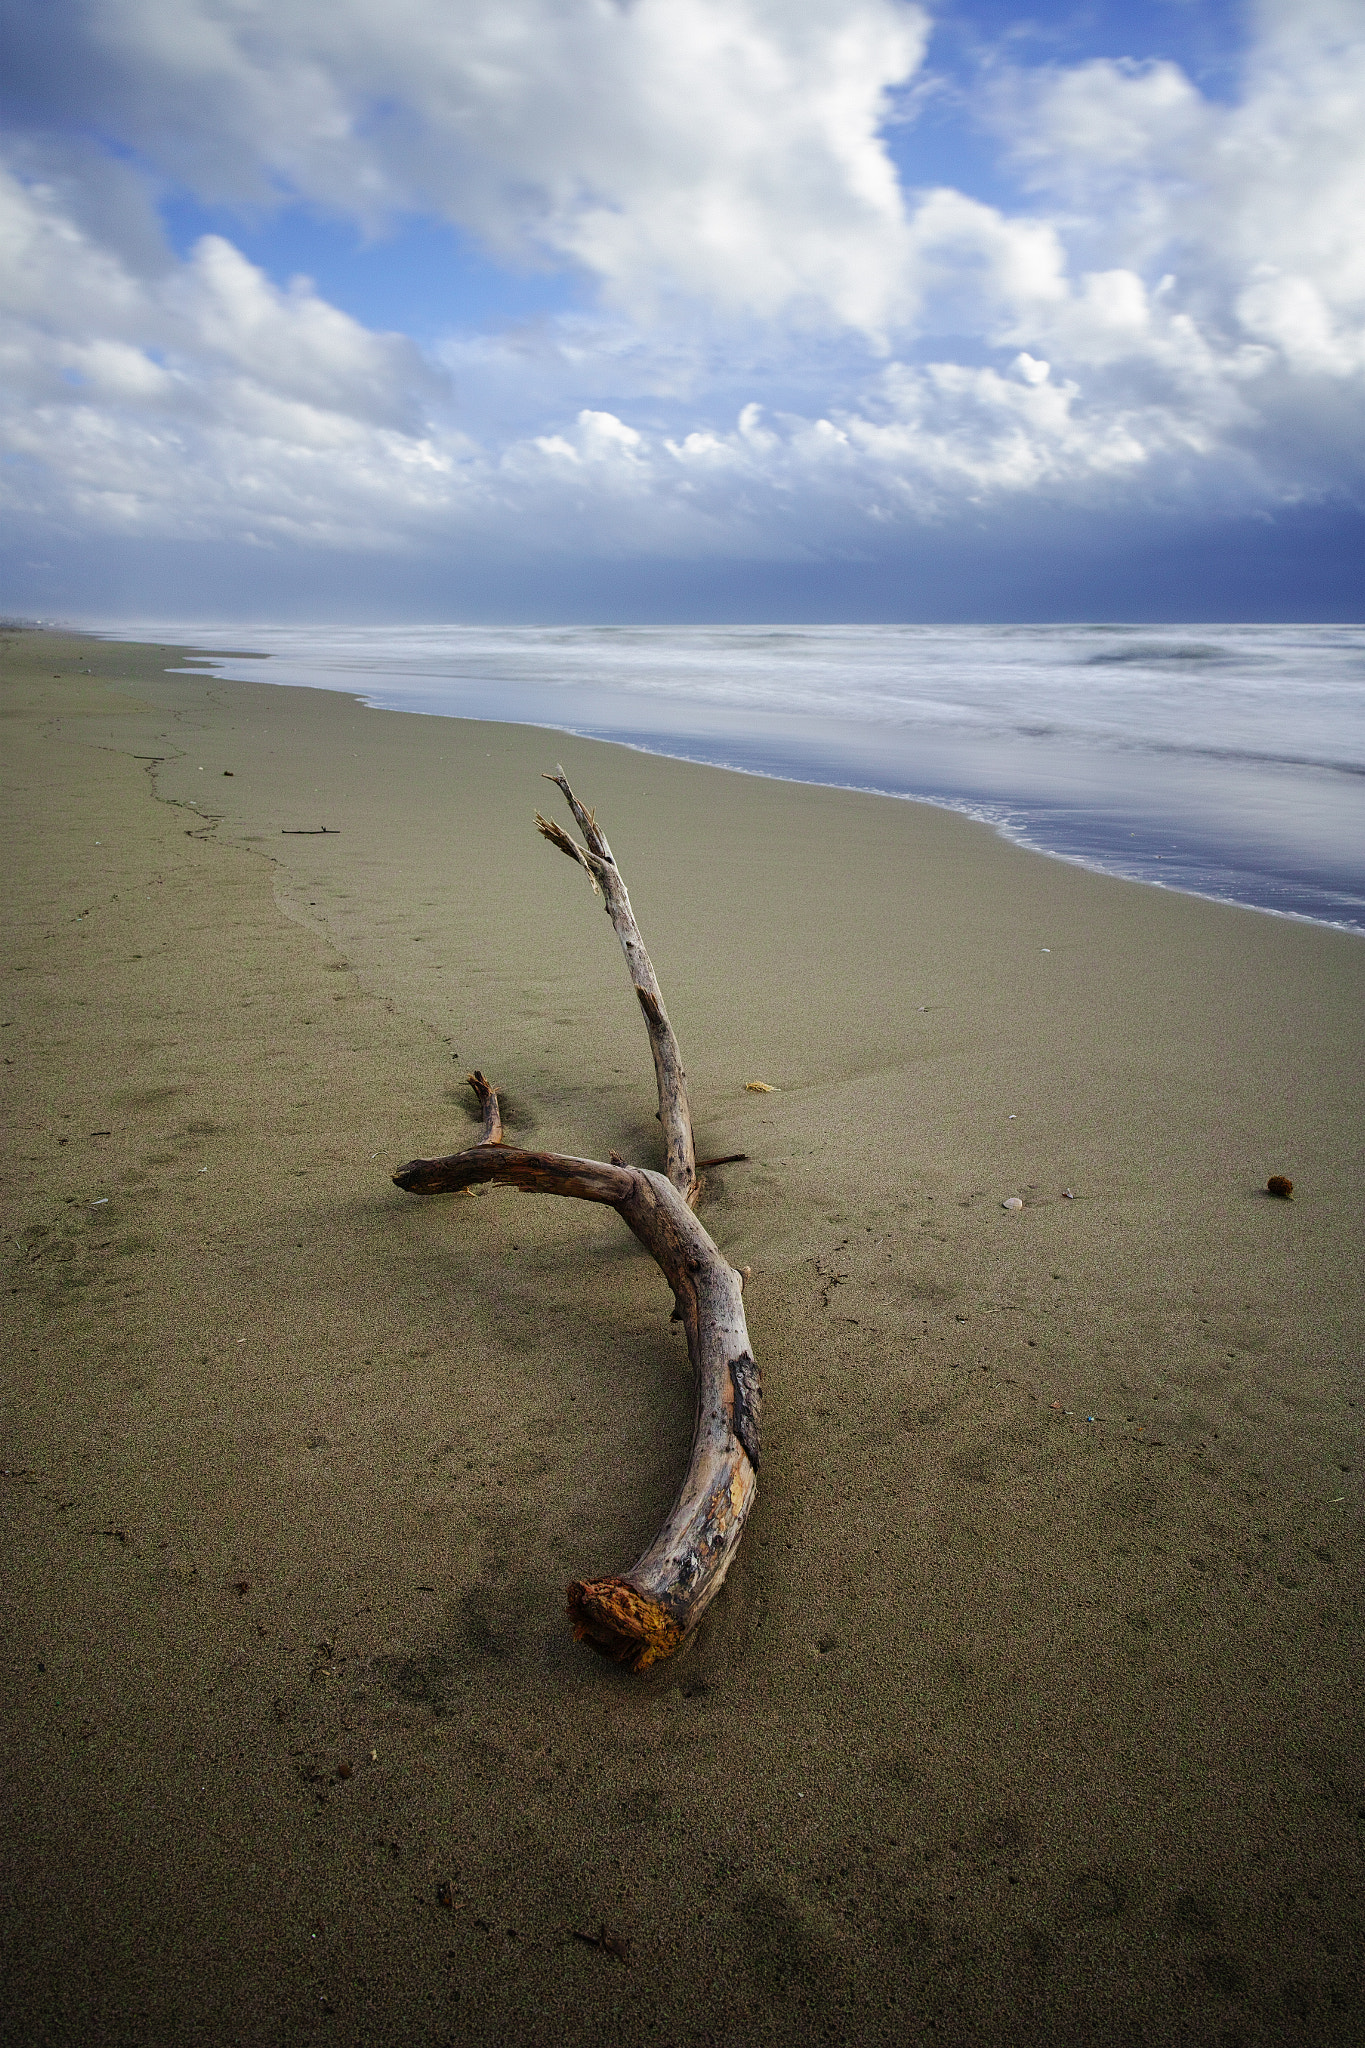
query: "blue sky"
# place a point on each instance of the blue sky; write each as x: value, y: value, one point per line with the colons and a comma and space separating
x: 680, y: 309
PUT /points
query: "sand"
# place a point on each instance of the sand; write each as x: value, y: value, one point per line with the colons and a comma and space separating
x: 1031, y: 1709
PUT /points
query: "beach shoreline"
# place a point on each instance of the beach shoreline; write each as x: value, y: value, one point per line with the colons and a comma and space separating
x: 1031, y: 1707
x: 1227, y: 766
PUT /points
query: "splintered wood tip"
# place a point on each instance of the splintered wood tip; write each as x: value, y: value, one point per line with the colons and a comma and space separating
x: 619, y: 1622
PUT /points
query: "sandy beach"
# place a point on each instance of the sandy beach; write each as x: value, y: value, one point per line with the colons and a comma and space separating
x: 1031, y: 1708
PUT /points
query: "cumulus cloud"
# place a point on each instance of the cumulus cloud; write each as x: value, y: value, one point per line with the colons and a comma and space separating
x: 202, y: 399
x: 1173, y: 314
x: 1251, y: 210
x: 723, y: 149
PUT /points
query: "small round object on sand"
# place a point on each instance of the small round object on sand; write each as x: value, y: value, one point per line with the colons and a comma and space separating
x: 1012, y: 1202
x: 1280, y: 1184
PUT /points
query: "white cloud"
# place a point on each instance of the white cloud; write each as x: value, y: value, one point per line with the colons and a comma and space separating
x: 1253, y: 208
x: 201, y: 401
x: 723, y: 149
x: 293, y: 342
x: 1177, y: 319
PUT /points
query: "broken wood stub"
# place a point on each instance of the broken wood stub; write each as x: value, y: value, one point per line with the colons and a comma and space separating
x: 642, y: 1615
x: 487, y: 1097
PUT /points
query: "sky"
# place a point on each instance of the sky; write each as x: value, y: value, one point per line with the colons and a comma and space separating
x: 672, y: 310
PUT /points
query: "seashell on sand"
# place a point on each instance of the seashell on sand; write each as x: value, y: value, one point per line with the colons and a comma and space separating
x: 1012, y: 1202
x: 1279, y: 1184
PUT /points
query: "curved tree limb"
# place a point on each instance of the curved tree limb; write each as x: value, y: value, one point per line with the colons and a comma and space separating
x: 642, y: 1615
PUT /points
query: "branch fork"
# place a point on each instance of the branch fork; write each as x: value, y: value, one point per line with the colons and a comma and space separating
x: 642, y: 1615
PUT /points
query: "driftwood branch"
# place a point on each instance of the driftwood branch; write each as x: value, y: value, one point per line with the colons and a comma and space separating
x: 600, y: 863
x: 642, y: 1615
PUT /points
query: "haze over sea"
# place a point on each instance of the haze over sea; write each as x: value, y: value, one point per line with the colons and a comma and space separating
x: 1227, y: 760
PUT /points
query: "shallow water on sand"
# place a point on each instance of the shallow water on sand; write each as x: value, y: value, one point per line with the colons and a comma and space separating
x: 1227, y: 760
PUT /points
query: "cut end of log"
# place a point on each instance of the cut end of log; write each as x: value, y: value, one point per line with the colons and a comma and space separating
x: 619, y: 1622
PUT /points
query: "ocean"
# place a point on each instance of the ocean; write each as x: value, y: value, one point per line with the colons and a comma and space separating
x: 1225, y: 760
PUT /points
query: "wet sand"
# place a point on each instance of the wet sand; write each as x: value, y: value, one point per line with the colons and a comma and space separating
x: 1031, y: 1708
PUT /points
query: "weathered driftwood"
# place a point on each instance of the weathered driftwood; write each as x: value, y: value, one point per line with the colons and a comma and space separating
x: 643, y: 1614
x: 597, y: 859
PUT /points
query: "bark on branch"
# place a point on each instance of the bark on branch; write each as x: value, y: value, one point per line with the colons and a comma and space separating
x: 643, y: 1614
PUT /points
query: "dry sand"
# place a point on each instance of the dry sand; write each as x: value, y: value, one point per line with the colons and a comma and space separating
x: 1031, y: 1709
